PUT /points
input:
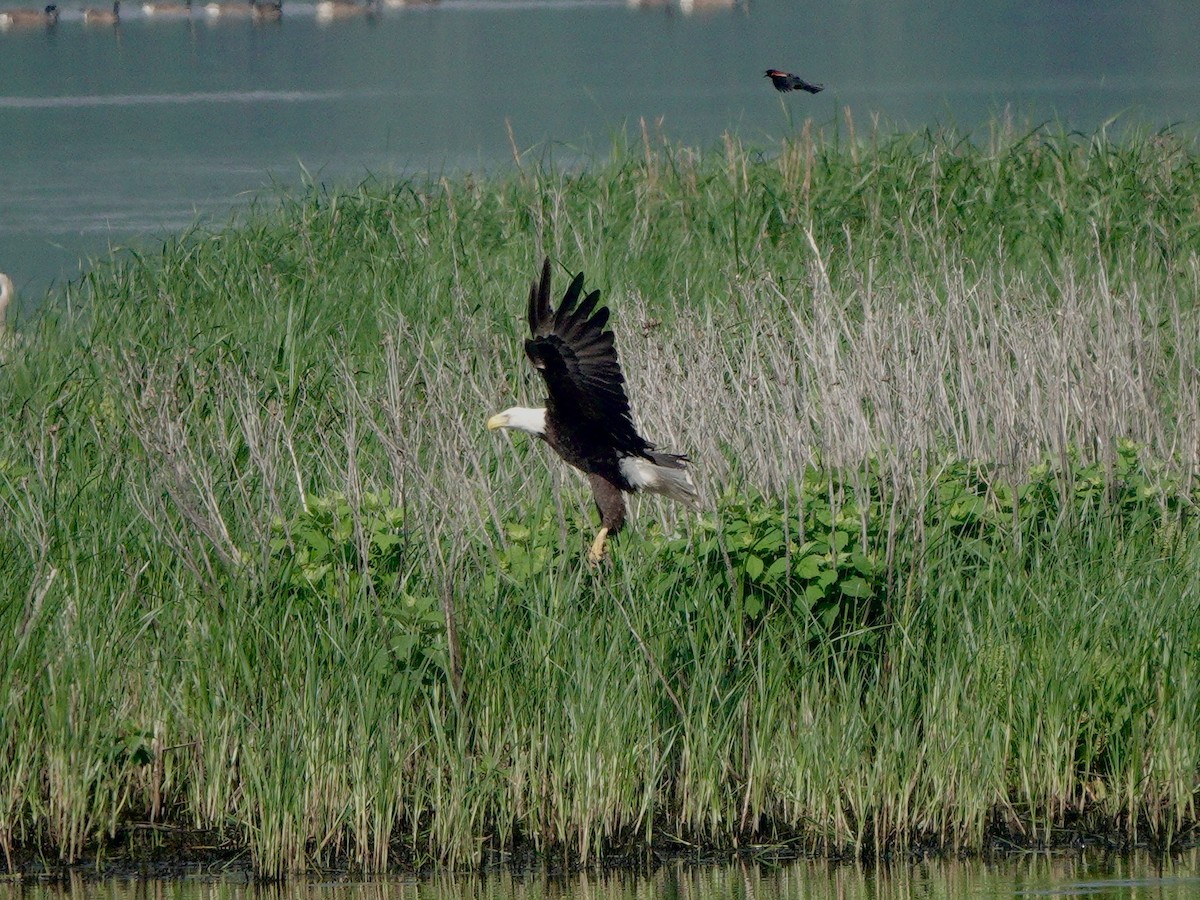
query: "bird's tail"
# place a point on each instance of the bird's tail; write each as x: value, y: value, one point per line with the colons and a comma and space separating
x: 662, y: 473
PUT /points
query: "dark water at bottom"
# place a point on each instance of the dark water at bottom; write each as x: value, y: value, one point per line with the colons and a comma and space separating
x: 1075, y: 874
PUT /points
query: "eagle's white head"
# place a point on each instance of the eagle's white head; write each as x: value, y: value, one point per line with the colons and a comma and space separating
x: 522, y: 418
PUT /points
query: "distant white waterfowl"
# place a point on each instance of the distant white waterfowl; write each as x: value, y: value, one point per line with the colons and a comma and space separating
x: 344, y: 9
x: 100, y: 16
x: 167, y: 8
x: 687, y: 7
x: 398, y: 4
x: 29, y: 18
x: 6, y: 295
x: 235, y: 10
x: 268, y: 12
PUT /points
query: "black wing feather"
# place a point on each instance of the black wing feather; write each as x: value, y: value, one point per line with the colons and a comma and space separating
x: 583, y: 319
x: 539, y: 300
x: 578, y: 360
x: 563, y: 318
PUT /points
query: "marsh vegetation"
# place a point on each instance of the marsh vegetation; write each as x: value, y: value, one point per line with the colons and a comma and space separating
x: 944, y: 401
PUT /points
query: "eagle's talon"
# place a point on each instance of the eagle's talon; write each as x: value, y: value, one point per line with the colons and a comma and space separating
x: 595, y: 553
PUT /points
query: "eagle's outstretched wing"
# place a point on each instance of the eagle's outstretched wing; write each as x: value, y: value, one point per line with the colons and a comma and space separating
x: 578, y: 360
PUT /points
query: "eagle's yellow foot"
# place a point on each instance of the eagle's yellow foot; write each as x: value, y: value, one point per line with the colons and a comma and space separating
x: 596, y: 551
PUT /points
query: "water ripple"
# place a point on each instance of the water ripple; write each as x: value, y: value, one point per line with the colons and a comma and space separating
x: 87, y: 100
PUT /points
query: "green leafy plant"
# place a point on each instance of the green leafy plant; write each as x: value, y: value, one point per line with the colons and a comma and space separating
x: 982, y: 511
x: 324, y: 551
x: 325, y: 559
x: 529, y: 547
x: 816, y: 552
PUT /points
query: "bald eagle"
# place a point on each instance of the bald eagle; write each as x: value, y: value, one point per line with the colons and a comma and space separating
x: 587, y: 419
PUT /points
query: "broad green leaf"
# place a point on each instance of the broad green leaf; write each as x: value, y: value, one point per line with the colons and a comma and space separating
x: 808, y: 567
x: 856, y: 586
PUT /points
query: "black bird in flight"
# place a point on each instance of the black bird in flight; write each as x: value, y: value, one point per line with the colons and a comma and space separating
x: 786, y: 81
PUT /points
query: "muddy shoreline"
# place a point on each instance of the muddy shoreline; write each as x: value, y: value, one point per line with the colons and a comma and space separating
x: 163, y: 853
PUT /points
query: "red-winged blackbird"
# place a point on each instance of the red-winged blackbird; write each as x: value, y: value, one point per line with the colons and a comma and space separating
x: 786, y: 81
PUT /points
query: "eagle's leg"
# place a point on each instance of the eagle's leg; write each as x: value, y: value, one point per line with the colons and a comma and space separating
x: 596, y: 551
x: 612, y: 513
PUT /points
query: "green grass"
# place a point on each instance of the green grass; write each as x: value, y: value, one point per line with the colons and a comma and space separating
x: 945, y: 405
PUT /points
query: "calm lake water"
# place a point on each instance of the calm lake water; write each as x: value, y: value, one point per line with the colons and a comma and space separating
x: 1035, y: 875
x: 111, y: 135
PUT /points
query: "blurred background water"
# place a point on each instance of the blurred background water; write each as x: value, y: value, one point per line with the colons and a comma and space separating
x: 112, y: 136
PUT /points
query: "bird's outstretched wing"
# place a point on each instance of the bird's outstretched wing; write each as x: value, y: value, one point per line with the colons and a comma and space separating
x: 578, y: 360
x: 786, y: 81
x: 800, y: 84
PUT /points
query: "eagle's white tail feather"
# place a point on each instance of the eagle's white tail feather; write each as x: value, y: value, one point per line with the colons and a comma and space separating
x: 670, y: 481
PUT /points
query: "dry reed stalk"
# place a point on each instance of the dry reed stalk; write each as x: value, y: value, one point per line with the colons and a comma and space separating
x: 910, y: 374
